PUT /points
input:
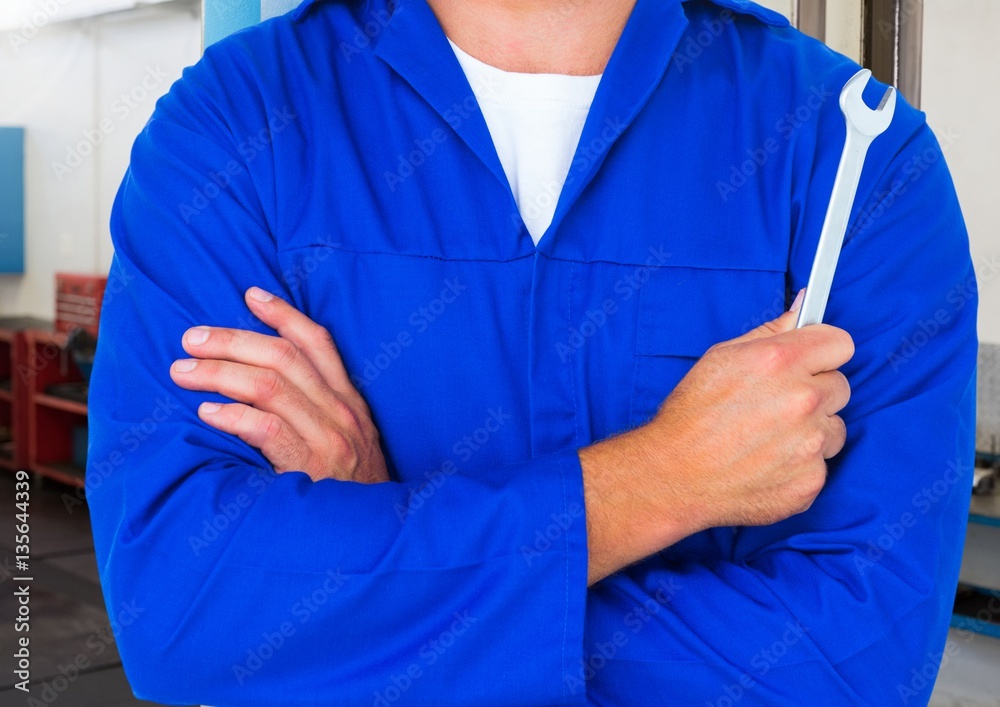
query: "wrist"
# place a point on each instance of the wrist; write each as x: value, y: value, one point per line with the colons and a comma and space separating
x: 672, y: 483
x: 672, y: 507
x: 634, y: 508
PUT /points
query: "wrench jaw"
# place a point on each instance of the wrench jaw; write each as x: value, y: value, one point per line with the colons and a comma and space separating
x: 868, y: 122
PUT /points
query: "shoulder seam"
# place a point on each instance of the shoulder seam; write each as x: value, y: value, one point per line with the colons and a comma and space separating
x: 747, y: 7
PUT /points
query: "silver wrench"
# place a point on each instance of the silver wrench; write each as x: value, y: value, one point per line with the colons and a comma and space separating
x: 863, y: 126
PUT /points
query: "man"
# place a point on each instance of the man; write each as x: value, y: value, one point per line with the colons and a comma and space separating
x: 422, y: 448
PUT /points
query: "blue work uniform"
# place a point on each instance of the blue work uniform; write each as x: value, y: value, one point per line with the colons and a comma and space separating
x: 336, y: 156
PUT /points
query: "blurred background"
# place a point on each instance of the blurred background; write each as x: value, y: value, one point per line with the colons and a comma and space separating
x: 79, y: 79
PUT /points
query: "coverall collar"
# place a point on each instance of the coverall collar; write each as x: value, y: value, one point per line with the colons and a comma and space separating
x: 414, y: 45
x: 636, y: 66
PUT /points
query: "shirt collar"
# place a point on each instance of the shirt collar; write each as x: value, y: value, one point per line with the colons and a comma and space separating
x: 636, y: 67
x: 414, y: 45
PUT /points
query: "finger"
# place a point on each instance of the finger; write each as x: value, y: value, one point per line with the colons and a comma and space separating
x: 264, y: 430
x: 817, y: 348
x: 785, y: 323
x: 834, y: 390
x: 836, y: 436
x: 263, y: 388
x: 816, y: 469
x: 262, y: 351
x: 311, y: 338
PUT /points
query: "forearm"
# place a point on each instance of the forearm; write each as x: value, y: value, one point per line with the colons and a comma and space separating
x: 223, y: 556
x: 767, y: 607
x: 633, y: 509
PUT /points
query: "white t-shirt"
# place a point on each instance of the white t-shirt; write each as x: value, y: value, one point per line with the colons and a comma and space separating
x: 535, y: 121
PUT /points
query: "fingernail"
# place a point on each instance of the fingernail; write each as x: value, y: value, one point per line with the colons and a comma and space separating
x: 260, y: 295
x: 209, y: 408
x: 185, y: 365
x: 798, y: 300
x: 197, y: 335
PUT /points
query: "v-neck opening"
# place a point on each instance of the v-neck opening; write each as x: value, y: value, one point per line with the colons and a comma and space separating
x: 652, y: 31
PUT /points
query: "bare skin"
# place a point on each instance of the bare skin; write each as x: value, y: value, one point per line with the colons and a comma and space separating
x: 296, y: 402
x: 742, y: 440
x: 573, y: 37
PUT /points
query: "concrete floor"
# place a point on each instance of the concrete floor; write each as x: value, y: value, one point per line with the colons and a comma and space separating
x: 972, y: 677
x: 68, y: 619
x: 69, y: 622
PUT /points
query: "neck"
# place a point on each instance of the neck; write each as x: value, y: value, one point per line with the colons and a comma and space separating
x: 573, y: 37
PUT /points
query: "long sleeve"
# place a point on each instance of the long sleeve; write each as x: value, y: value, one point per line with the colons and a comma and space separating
x: 253, y: 588
x: 849, y: 602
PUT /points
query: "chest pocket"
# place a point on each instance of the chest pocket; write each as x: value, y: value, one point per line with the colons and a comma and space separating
x: 683, y: 311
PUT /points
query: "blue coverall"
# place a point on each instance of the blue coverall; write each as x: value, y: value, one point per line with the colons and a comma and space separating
x: 336, y: 157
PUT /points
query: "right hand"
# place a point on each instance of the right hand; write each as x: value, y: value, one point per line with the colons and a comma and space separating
x: 293, y: 399
x: 749, y: 429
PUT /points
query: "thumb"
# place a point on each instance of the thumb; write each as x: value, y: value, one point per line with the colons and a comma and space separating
x: 785, y: 323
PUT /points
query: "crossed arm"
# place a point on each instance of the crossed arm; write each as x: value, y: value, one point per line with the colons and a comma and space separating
x: 643, y: 490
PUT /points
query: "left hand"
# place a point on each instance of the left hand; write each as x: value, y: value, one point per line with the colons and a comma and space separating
x: 296, y: 401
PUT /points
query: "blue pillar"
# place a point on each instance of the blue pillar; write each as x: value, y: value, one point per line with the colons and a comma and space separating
x: 11, y: 200
x: 223, y: 17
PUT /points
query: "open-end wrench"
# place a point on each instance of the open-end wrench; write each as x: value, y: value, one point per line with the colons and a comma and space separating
x: 863, y: 126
